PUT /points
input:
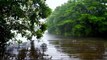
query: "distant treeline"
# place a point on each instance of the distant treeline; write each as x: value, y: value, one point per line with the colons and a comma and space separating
x: 81, y: 18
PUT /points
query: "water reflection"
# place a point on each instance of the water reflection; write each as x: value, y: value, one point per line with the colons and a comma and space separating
x: 27, y: 53
x: 22, y: 54
x: 58, y: 48
x: 83, y: 48
x: 33, y: 53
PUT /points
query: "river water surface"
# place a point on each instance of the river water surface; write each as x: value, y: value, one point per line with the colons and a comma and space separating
x: 63, y: 48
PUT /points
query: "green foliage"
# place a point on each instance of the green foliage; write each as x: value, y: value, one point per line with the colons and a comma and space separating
x: 79, y: 18
x: 22, y: 16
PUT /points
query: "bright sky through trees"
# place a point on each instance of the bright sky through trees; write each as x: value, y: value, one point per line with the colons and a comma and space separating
x: 54, y: 3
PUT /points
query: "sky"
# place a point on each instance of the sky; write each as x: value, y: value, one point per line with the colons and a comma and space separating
x: 54, y: 3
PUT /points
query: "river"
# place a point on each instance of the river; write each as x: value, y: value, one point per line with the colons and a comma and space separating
x: 62, y: 48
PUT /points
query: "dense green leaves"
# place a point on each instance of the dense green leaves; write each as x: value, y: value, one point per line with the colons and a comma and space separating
x: 79, y: 18
x: 22, y: 17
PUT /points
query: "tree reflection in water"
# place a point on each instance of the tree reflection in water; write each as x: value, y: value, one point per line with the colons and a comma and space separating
x: 29, y: 54
x: 33, y: 53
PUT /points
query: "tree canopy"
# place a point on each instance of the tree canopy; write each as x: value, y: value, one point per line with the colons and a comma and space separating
x: 79, y: 18
x: 22, y: 17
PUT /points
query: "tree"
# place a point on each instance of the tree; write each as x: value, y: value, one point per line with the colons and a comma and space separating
x: 80, y: 18
x: 21, y: 17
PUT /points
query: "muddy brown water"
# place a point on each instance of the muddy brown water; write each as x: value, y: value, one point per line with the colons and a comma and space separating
x: 62, y: 48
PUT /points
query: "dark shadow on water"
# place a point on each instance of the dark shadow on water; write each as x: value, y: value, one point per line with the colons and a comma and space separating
x: 31, y: 53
